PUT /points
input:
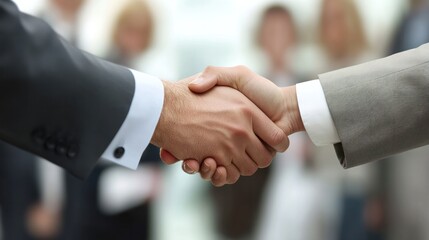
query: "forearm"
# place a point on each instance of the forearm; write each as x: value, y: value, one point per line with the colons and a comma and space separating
x: 380, y: 107
x: 55, y: 100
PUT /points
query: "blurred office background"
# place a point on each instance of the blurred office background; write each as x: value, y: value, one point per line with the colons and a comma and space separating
x: 304, y: 195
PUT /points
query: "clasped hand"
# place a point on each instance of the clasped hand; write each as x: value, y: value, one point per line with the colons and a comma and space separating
x: 232, y: 124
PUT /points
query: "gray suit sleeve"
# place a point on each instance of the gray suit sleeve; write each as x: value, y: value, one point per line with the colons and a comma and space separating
x: 380, y: 108
x: 55, y: 100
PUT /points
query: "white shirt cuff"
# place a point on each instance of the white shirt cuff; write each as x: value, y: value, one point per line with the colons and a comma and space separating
x: 136, y: 131
x: 315, y: 113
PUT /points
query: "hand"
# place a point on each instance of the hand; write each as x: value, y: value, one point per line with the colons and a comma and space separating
x: 280, y: 104
x: 222, y: 124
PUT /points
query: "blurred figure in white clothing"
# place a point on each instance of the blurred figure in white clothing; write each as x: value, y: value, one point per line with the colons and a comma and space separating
x: 290, y: 208
x: 343, y: 41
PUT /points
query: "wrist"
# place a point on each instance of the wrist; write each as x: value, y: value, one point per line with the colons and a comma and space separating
x: 292, y: 109
x: 163, y: 122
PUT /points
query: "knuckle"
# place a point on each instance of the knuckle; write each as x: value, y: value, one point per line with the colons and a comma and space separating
x: 278, y: 138
x: 233, y: 176
x: 246, y: 172
x: 266, y: 161
x: 272, y: 154
x: 241, y: 68
x: 250, y: 171
x: 245, y: 110
x: 204, y: 176
x: 240, y: 132
x: 209, y: 69
x: 234, y: 179
x: 223, y: 156
x: 217, y: 183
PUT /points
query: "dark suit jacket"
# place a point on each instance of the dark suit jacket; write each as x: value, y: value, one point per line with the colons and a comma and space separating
x: 55, y: 100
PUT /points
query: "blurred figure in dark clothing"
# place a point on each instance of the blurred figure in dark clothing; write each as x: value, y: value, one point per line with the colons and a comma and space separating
x: 255, y: 208
x: 237, y: 206
x: 18, y: 191
x: 92, y: 215
x: 86, y: 219
x: 50, y: 219
x: 407, y: 184
x: 89, y: 211
x: 413, y: 30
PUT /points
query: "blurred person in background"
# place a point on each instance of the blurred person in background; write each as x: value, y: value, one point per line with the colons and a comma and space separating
x: 43, y: 218
x: 250, y: 208
x: 128, y: 217
x: 101, y: 207
x: 132, y: 34
x: 237, y: 206
x: 413, y: 30
x: 63, y: 16
x: 291, y: 198
x: 19, y: 193
x: 57, y: 213
x: 114, y: 203
x: 407, y: 184
x: 342, y: 37
x: 344, y: 43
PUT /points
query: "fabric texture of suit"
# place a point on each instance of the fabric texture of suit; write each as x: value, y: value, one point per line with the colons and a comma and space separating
x: 380, y: 108
x: 18, y: 191
x: 56, y: 101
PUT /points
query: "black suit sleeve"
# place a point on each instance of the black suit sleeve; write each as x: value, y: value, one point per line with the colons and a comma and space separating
x: 55, y: 100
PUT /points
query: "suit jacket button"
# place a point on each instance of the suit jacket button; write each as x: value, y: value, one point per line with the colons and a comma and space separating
x: 50, y: 144
x: 72, y: 151
x: 61, y: 149
x: 119, y: 152
x: 39, y: 135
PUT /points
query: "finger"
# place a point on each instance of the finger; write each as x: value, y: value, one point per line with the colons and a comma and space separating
x: 260, y: 153
x: 208, y: 168
x: 245, y: 165
x: 190, y: 166
x: 219, y: 177
x: 233, y: 174
x: 167, y: 157
x: 269, y: 132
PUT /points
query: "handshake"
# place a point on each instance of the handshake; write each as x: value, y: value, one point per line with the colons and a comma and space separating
x: 226, y: 123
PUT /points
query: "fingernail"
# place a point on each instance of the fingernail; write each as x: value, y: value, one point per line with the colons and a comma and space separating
x: 206, y: 168
x: 198, y: 81
x: 187, y: 169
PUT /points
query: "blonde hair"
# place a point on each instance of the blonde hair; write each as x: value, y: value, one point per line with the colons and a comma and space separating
x: 357, y: 41
x: 139, y: 7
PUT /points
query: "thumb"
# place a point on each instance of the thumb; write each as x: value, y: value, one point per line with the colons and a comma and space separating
x: 203, y: 83
x: 221, y: 76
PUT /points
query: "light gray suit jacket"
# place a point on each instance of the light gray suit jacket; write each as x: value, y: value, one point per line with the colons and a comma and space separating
x: 380, y: 108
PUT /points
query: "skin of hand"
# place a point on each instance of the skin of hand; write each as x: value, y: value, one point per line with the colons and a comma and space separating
x: 221, y: 124
x: 279, y: 104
